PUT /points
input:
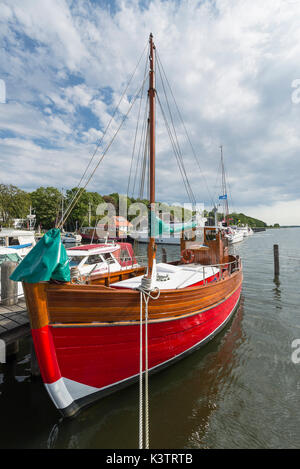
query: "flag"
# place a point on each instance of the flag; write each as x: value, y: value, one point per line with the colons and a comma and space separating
x: 223, y: 197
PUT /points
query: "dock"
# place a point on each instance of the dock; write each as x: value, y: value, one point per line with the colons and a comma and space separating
x: 14, y: 322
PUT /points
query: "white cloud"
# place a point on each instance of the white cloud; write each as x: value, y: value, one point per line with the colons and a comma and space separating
x: 282, y: 212
x: 230, y: 65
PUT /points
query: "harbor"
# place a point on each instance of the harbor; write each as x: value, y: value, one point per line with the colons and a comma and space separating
x: 245, y: 380
x: 149, y: 228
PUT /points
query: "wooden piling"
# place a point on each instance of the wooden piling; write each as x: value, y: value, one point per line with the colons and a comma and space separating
x: 276, y: 260
x: 9, y: 288
x: 12, y: 348
x: 164, y: 255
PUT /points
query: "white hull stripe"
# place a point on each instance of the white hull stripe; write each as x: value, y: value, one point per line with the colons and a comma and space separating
x: 64, y: 391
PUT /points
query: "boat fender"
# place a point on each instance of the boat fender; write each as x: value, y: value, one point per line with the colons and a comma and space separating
x: 188, y: 256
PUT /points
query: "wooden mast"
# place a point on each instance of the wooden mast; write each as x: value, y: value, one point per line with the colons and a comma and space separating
x: 151, y: 94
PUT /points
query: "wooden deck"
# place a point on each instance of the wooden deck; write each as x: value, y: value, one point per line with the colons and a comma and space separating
x: 14, y: 322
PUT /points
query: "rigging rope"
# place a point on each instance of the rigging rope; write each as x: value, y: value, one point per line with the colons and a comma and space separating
x: 136, y: 130
x: 145, y: 296
x: 77, y: 194
x: 141, y: 145
x: 185, y: 129
x: 178, y: 158
x: 144, y: 165
x: 72, y: 205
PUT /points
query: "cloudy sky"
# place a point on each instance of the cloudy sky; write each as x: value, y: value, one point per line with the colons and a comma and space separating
x: 233, y: 67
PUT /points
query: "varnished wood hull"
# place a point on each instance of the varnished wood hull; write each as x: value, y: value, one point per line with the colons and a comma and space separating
x: 87, y: 337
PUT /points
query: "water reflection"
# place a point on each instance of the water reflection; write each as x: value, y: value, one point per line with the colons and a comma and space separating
x: 277, y: 292
x: 182, y: 399
x: 241, y: 390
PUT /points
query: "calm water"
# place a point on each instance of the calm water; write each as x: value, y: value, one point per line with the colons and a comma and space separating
x: 239, y: 391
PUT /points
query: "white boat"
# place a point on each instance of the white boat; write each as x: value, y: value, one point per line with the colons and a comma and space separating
x: 142, y: 237
x: 233, y: 236
x: 246, y: 230
x: 170, y: 238
x: 97, y: 259
x: 71, y: 238
x: 21, y: 241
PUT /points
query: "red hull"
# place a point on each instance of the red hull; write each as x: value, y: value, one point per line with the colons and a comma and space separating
x: 78, y: 363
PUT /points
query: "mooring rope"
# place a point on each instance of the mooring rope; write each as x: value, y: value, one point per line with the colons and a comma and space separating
x: 145, y: 296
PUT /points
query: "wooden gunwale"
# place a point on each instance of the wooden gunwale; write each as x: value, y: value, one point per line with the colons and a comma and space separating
x: 104, y: 278
x: 64, y: 306
x: 137, y: 322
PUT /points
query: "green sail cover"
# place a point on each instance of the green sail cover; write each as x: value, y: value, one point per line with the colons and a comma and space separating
x: 161, y: 227
x: 46, y: 260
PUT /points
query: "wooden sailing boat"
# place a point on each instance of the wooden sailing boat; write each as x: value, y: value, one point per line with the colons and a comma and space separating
x: 86, y: 336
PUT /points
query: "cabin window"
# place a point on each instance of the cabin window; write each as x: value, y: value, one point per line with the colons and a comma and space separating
x: 94, y: 259
x: 74, y: 261
x: 211, y: 235
x: 124, y: 255
x: 14, y: 242
x: 108, y: 258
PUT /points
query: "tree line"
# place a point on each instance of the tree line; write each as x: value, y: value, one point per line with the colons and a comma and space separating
x: 49, y: 203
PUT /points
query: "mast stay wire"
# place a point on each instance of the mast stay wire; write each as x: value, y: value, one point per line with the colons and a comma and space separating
x: 141, y: 144
x: 185, y: 129
x: 216, y: 183
x: 179, y: 161
x: 75, y: 200
x: 180, y: 157
x: 98, y: 143
x: 175, y: 144
x: 136, y: 129
x: 144, y: 164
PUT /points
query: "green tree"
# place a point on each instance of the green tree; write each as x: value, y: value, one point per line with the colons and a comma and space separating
x: 14, y: 203
x: 84, y: 209
x: 46, y: 201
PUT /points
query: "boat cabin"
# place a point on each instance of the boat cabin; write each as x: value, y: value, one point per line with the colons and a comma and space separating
x: 95, y: 259
x: 19, y: 240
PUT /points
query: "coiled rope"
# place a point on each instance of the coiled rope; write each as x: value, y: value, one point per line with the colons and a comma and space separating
x: 145, y: 295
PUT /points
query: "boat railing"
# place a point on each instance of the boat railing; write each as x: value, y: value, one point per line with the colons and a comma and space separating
x: 132, y: 261
x: 225, y: 269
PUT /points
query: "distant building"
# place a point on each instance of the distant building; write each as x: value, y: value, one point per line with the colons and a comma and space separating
x: 122, y: 226
x: 116, y: 227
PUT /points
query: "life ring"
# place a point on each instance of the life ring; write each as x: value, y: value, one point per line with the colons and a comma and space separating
x: 188, y: 256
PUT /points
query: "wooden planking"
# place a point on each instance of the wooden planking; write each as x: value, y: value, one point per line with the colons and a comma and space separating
x: 113, y: 277
x: 72, y: 305
x: 14, y: 322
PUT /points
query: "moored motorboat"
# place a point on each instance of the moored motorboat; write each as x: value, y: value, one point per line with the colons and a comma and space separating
x: 67, y: 237
x: 233, y: 235
x: 21, y: 241
x: 95, y: 259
